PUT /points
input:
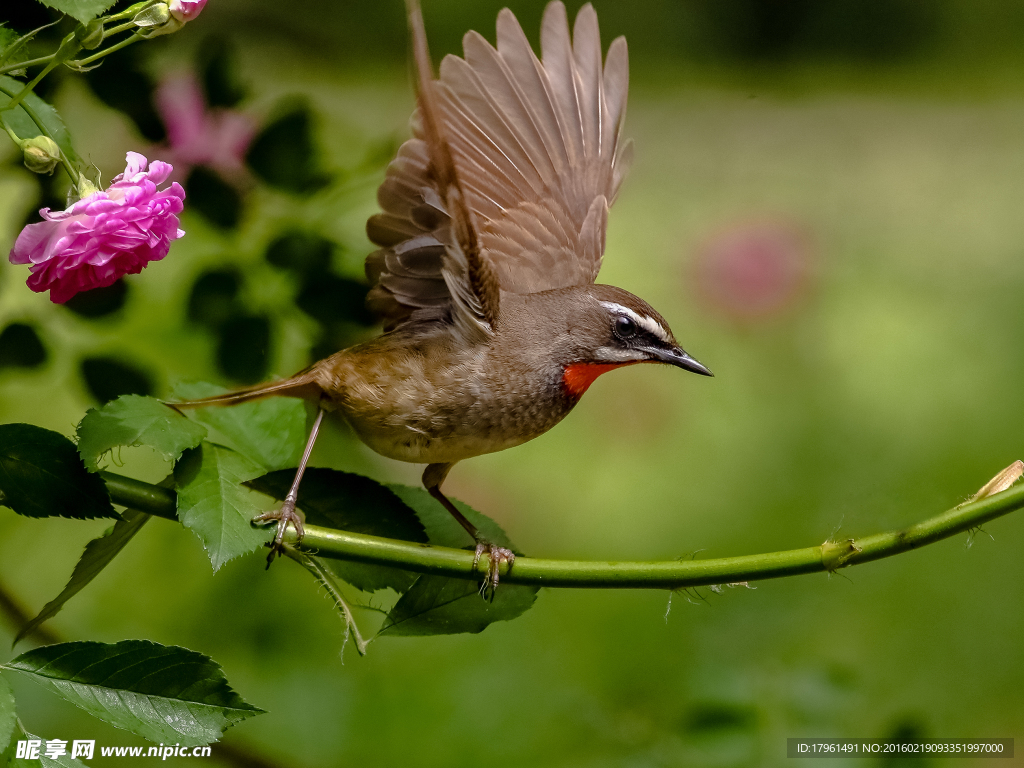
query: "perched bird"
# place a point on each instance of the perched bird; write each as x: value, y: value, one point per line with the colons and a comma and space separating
x: 491, y: 237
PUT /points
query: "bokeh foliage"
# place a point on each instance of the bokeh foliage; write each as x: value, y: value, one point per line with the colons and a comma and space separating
x: 890, y: 132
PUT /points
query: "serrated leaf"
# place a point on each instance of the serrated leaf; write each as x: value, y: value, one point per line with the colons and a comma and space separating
x: 162, y: 693
x: 97, y: 556
x: 41, y: 475
x: 12, y: 42
x: 271, y: 432
x: 439, y: 605
x: 18, y: 119
x: 134, y: 420
x: 371, y: 578
x: 61, y: 762
x: 346, y: 501
x: 9, y: 759
x: 213, y: 503
x: 10, y: 749
x: 353, y: 503
x: 442, y: 529
x: 64, y: 761
x: 8, y: 716
x: 80, y: 10
x: 7, y: 38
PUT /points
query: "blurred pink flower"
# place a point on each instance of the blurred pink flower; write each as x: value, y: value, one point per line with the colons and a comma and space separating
x: 104, y: 235
x: 217, y: 138
x: 753, y: 270
x: 186, y: 10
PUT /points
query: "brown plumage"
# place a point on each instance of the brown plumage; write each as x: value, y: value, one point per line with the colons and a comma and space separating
x: 491, y: 235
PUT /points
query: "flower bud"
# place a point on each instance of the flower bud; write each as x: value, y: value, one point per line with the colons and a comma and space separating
x: 186, y: 10
x: 41, y: 154
x: 90, y: 35
x: 155, y: 15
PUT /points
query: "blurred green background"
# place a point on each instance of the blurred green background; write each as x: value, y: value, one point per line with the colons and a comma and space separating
x: 825, y: 205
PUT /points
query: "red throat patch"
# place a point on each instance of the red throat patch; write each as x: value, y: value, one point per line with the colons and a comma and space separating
x: 578, y: 377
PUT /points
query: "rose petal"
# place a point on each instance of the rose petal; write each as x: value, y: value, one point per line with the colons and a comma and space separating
x: 105, y: 235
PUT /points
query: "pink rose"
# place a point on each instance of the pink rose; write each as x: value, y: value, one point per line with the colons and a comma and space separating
x: 104, y: 235
x: 199, y: 135
x: 186, y: 10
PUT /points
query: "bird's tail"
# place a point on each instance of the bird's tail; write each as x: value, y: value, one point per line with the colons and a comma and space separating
x: 302, y: 385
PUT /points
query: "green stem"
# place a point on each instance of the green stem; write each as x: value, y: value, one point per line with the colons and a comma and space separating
x: 672, y: 574
x: 17, y: 99
x: 43, y: 59
x: 26, y: 64
x: 14, y: 137
x: 24, y: 40
x: 69, y: 46
x: 142, y: 497
x: 322, y: 575
x: 78, y: 63
x: 68, y: 167
x: 120, y: 28
x: 130, y: 11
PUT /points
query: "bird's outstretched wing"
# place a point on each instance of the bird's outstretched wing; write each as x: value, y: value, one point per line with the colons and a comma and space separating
x: 508, y: 179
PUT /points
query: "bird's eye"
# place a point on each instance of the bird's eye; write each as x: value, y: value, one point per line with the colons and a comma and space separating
x: 625, y: 328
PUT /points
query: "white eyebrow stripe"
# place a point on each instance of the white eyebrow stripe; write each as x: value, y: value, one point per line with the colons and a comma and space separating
x: 649, y: 324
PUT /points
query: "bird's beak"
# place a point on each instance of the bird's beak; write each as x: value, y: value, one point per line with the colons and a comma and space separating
x: 677, y: 357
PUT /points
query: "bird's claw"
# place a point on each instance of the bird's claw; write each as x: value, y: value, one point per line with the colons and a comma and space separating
x: 283, y: 517
x: 496, y: 557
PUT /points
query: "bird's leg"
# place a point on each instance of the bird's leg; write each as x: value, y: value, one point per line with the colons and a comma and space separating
x: 433, y: 476
x: 288, y: 513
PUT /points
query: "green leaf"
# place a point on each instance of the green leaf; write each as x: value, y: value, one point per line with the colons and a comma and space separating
x: 7, y: 38
x: 11, y: 44
x: 9, y: 759
x: 353, y: 503
x: 442, y: 529
x: 24, y: 126
x: 133, y: 420
x: 439, y: 605
x: 319, y: 571
x: 97, y: 556
x: 80, y: 10
x: 8, y: 716
x: 213, y: 503
x: 64, y: 761
x: 162, y: 693
x: 371, y: 578
x: 41, y: 475
x: 271, y: 432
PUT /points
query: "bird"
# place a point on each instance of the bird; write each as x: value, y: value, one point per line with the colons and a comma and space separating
x: 490, y: 237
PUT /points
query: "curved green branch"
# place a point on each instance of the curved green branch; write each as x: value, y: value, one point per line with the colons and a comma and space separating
x: 25, y: 64
x: 671, y: 574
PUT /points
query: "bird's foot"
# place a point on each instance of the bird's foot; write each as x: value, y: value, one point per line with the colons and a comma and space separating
x: 283, y: 517
x: 496, y: 557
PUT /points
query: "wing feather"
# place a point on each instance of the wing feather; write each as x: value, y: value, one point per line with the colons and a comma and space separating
x: 586, y: 49
x: 470, y: 87
x: 530, y: 81
x: 558, y: 62
x: 532, y: 158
